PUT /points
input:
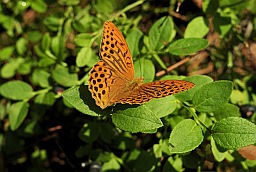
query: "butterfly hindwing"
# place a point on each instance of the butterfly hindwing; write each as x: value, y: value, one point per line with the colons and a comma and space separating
x: 156, y: 89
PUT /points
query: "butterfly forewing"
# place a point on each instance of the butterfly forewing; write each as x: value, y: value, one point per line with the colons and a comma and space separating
x: 115, y: 52
x: 156, y: 89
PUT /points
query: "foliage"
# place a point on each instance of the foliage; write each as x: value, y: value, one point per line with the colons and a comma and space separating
x: 50, y: 122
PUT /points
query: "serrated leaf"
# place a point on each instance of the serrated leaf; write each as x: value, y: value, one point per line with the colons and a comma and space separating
x: 137, y: 119
x: 187, y: 46
x: 16, y: 90
x: 212, y: 96
x: 80, y: 98
x: 234, y: 132
x: 186, y: 136
x: 17, y: 113
x: 160, y: 33
x: 227, y: 110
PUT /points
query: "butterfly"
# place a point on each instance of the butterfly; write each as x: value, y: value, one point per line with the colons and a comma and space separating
x: 112, y: 79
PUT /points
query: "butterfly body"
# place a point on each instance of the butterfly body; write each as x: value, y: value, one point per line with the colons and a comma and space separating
x: 112, y: 79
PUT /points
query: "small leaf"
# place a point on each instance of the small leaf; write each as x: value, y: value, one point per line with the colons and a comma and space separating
x: 39, y: 6
x: 17, y: 113
x: 89, y: 132
x: 21, y: 46
x: 212, y: 96
x: 186, y: 136
x: 83, y: 39
x: 234, y: 132
x: 160, y: 33
x: 187, y: 46
x: 6, y: 52
x: 9, y: 69
x: 197, y: 28
x: 138, y: 119
x: 45, y: 99
x: 41, y: 77
x: 46, y: 42
x: 16, y: 90
x: 62, y: 76
x: 84, y: 56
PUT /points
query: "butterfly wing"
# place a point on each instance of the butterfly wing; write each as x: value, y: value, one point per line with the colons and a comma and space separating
x: 104, y: 84
x: 115, y: 52
x: 157, y: 89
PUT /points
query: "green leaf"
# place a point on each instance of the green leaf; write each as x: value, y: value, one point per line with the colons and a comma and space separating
x: 185, y: 137
x: 52, y: 22
x: 83, y: 39
x: 80, y: 98
x: 138, y: 119
x: 57, y: 46
x: 234, y: 132
x: 146, y: 162
x: 25, y: 68
x: 222, y: 25
x: 173, y: 164
x: 17, y: 113
x: 46, y: 42
x: 9, y: 69
x: 227, y: 110
x: 84, y: 56
x: 41, y: 77
x: 89, y: 132
x: 62, y: 76
x: 187, y: 46
x: 133, y: 40
x: 34, y: 35
x: 6, y: 52
x: 210, y: 7
x: 160, y: 33
x: 162, y: 106
x: 45, y: 99
x: 21, y: 46
x: 212, y: 96
x: 218, y: 155
x: 111, y: 165
x: 144, y: 67
x: 16, y: 90
x: 197, y: 28
x: 39, y: 6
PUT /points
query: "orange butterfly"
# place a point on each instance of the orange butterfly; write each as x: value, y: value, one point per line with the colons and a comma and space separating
x: 112, y: 79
